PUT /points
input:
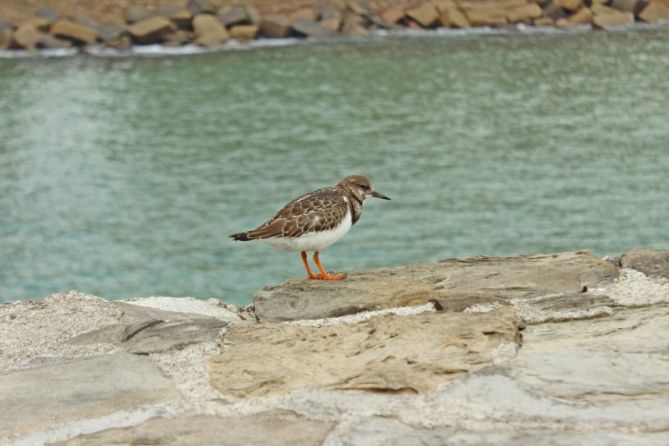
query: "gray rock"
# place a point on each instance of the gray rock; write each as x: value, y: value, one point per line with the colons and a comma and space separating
x: 308, y: 28
x: 45, y: 397
x: 275, y: 26
x: 233, y: 15
x: 507, y: 278
x: 49, y: 41
x: 263, y: 429
x: 203, y: 6
x: 386, y: 354
x: 151, y: 30
x: 47, y: 14
x: 651, y: 263
x: 145, y: 330
x: 134, y: 14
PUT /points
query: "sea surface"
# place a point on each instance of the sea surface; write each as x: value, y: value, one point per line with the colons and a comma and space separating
x: 122, y: 176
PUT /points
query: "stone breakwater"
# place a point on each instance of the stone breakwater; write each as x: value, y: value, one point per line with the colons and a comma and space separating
x: 211, y: 23
x: 560, y: 348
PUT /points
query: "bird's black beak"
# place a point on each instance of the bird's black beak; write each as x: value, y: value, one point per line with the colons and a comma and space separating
x: 378, y: 195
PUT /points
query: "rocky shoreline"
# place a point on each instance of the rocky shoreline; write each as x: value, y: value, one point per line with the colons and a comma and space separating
x: 561, y: 348
x: 212, y: 23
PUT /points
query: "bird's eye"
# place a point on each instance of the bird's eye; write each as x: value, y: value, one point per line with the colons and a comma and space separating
x: 364, y: 187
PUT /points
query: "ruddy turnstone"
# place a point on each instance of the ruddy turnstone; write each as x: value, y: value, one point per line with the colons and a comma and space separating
x: 316, y: 220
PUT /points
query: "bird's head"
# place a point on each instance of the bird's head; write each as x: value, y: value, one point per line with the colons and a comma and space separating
x: 360, y: 187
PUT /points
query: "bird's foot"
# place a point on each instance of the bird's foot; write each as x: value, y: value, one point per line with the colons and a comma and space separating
x: 315, y: 277
x: 328, y: 276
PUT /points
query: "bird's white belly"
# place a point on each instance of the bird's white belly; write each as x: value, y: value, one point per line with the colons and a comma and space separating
x: 312, y: 241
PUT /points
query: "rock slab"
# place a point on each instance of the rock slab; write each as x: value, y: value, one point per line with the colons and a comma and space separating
x: 43, y: 397
x: 387, y: 354
x: 263, y: 429
x: 507, y: 278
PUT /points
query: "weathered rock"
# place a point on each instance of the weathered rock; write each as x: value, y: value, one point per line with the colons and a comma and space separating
x: 178, y: 37
x: 570, y: 5
x: 244, y: 32
x: 78, y: 390
x: 76, y: 32
x: 203, y: 6
x: 275, y: 26
x: 147, y: 330
x: 583, y: 15
x: 543, y: 21
x: 151, y: 30
x: 307, y: 28
x: 485, y: 13
x: 6, y: 38
x: 232, y: 15
x: 424, y: 14
x: 262, y: 429
x: 378, y: 355
x: 512, y: 277
x: 305, y: 13
x: 27, y: 37
x: 450, y: 16
x: 606, y: 18
x: 47, y: 14
x: 209, y: 31
x: 392, y: 15
x: 49, y: 41
x: 332, y: 23
x: 252, y: 14
x: 554, y: 11
x: 655, y: 13
x: 134, y: 14
x: 651, y: 263
x: 108, y: 32
x: 39, y: 23
x: 524, y: 13
x: 179, y: 15
x: 633, y: 6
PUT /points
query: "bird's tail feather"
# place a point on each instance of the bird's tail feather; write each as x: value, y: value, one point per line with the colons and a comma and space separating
x: 241, y: 237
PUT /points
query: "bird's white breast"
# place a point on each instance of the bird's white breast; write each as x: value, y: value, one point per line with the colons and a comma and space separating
x: 313, y: 241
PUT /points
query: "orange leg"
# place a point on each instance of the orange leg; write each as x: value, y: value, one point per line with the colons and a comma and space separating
x: 324, y: 274
x: 306, y: 265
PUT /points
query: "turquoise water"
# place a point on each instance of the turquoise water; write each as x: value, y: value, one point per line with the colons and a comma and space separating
x: 122, y: 177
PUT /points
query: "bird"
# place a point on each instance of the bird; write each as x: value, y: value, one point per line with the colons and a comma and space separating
x: 314, y: 221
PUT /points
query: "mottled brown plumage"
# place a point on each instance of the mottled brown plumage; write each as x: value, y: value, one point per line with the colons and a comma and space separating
x: 315, y: 220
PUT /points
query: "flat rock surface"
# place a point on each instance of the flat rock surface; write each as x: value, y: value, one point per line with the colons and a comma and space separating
x: 512, y: 277
x: 266, y: 428
x: 43, y: 397
x: 651, y: 263
x: 389, y: 353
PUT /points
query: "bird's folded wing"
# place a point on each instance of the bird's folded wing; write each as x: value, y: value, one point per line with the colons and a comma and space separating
x: 310, y: 214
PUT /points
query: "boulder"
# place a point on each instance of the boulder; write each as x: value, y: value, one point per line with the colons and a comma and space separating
x: 655, y: 13
x: 485, y: 13
x: 392, y: 15
x: 554, y: 11
x: 134, y: 14
x: 108, y: 32
x: 450, y: 16
x: 47, y: 14
x: 209, y: 31
x: 49, y: 41
x: 78, y: 390
x: 76, y: 32
x: 378, y: 355
x: 180, y: 16
x: 252, y: 14
x: 607, y: 18
x: 524, y: 13
x: 243, y: 32
x: 203, y: 6
x: 307, y: 28
x: 332, y: 23
x: 178, y: 37
x: 583, y: 15
x: 424, y: 14
x: 633, y: 6
x: 262, y: 429
x: 6, y: 38
x: 27, y: 37
x: 232, y: 15
x: 507, y: 278
x: 569, y: 5
x: 39, y: 23
x: 306, y: 13
x: 151, y: 30
x: 275, y: 26
x: 651, y: 263
x: 543, y: 21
